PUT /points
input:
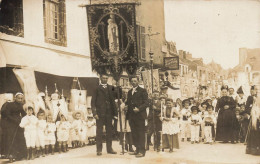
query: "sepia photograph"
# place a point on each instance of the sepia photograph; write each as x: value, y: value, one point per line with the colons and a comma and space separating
x: 130, y: 81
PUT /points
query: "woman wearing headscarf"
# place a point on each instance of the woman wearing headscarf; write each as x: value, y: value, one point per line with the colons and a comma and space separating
x: 226, y: 117
x: 16, y: 141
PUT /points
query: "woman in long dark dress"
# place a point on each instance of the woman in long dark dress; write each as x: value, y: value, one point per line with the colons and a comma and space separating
x: 253, y: 141
x: 16, y: 142
x: 226, y: 121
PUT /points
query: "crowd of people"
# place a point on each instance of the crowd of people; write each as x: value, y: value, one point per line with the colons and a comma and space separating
x: 25, y: 133
x: 137, y: 117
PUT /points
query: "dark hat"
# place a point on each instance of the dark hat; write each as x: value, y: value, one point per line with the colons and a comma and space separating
x: 194, y: 108
x: 240, y: 90
x: 224, y: 87
x: 252, y: 87
x: 185, y: 101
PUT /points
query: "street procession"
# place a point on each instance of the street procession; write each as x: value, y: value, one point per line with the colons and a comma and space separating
x: 129, y: 81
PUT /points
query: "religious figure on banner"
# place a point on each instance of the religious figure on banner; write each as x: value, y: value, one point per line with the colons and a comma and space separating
x: 112, y: 32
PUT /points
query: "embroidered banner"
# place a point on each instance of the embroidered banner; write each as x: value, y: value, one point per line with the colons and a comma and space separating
x: 148, y: 83
x: 112, y: 34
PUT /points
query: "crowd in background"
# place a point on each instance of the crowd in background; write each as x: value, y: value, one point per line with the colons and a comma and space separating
x: 227, y: 119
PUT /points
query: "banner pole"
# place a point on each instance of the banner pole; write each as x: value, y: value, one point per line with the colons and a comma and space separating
x: 120, y: 117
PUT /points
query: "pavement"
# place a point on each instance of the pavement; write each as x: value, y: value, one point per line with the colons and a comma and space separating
x: 187, y: 154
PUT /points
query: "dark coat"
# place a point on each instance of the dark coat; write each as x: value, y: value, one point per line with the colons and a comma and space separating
x: 249, y: 104
x: 13, y: 114
x: 140, y: 100
x: 103, y: 104
x: 227, y: 121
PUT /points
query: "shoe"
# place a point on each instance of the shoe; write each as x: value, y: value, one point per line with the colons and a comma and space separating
x: 182, y: 140
x: 158, y: 150
x: 139, y: 155
x: 111, y: 152
x: 197, y: 142
x: 188, y: 139
x: 150, y: 144
x: 99, y: 153
x: 170, y: 151
x: 192, y: 142
x: 133, y: 153
x: 206, y: 143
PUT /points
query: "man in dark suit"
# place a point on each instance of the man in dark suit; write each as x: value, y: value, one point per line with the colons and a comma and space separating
x: 137, y: 101
x: 104, y: 109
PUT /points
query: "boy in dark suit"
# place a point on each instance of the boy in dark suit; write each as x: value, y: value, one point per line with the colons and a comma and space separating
x: 137, y: 101
x: 104, y: 109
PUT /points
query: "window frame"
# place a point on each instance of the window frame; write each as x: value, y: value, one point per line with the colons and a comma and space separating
x: 59, y: 37
x: 18, y: 25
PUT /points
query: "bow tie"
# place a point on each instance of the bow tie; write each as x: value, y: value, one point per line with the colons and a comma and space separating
x: 104, y: 85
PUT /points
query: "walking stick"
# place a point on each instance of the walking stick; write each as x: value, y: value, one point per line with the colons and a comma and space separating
x: 120, y: 117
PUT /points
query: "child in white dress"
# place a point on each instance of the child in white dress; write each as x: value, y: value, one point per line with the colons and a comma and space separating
x: 40, y: 140
x: 78, y: 130
x: 91, y: 129
x: 29, y: 123
x: 170, y: 127
x: 50, y: 138
x: 195, y: 121
x: 63, y: 128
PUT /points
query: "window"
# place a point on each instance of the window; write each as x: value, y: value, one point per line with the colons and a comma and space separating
x: 141, y: 41
x: 55, y: 22
x: 11, y: 17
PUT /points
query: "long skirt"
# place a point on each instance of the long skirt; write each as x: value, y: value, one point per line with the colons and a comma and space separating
x: 253, y: 141
x: 170, y: 141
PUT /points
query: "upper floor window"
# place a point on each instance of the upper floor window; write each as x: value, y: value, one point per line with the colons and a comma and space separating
x: 54, y: 13
x: 141, y: 41
x: 11, y: 17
